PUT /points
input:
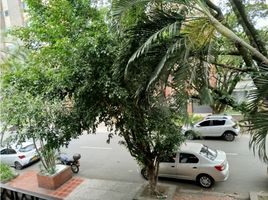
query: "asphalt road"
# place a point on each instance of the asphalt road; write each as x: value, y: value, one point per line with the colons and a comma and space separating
x: 112, y: 161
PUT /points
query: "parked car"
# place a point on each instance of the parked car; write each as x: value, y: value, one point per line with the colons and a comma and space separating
x: 196, y: 162
x: 19, y: 155
x: 213, y: 126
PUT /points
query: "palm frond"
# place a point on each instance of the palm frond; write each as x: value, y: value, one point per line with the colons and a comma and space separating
x: 259, y: 141
x: 121, y: 6
x: 258, y: 116
x: 170, y: 30
x: 177, y: 46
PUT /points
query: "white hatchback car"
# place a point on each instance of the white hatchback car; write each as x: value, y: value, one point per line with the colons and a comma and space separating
x: 19, y: 155
x: 195, y: 162
x: 213, y: 126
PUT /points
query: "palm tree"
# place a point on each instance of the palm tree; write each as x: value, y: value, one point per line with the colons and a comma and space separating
x: 257, y: 115
x: 182, y: 42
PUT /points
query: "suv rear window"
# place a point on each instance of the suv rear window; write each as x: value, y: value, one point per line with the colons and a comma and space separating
x: 218, y: 122
x: 27, y: 148
x: 208, y: 153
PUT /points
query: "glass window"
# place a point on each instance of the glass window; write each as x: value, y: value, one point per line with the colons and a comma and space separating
x: 170, y: 159
x: 218, y: 122
x: 6, y: 13
x: 11, y: 151
x: 27, y: 148
x: 205, y: 123
x: 208, y: 153
x: 188, y: 158
x: 4, y: 151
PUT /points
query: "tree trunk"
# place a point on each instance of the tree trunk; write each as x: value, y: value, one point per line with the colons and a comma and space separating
x: 232, y: 36
x: 153, y: 177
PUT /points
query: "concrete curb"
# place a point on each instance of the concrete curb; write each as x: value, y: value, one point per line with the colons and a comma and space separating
x: 209, y: 193
x: 255, y: 195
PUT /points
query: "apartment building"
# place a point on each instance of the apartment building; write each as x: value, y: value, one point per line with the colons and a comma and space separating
x: 12, y: 15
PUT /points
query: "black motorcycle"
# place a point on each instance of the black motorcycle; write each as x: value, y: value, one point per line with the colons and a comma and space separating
x: 73, y: 162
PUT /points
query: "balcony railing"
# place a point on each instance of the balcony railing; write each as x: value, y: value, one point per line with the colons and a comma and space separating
x: 11, y: 193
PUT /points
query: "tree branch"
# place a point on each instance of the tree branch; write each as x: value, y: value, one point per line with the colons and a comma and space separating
x: 246, y: 69
x: 251, y: 32
x: 232, y: 36
x: 219, y: 16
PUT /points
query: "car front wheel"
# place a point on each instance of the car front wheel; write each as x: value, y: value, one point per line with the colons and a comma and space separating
x: 144, y: 173
x: 18, y: 166
x: 205, y: 180
x: 229, y: 136
x: 190, y: 135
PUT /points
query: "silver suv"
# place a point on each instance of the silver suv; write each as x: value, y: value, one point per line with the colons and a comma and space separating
x: 213, y: 126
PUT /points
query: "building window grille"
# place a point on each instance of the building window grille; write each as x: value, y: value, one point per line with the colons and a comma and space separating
x: 6, y: 13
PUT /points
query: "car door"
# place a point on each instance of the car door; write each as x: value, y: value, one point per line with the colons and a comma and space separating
x: 187, y: 168
x: 217, y: 127
x: 203, y: 128
x: 10, y: 156
x: 168, y: 167
x: 4, y: 156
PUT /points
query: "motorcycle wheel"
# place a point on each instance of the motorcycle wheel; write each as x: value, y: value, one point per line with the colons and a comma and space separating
x: 75, y: 168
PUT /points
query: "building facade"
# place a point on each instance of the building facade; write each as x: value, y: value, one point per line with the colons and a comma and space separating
x: 12, y: 15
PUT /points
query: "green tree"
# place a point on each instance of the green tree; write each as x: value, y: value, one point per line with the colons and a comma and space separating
x: 74, y: 62
x: 203, y: 28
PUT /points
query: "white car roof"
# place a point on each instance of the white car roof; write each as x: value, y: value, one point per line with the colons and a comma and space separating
x: 219, y: 117
x: 191, y: 147
x: 21, y: 145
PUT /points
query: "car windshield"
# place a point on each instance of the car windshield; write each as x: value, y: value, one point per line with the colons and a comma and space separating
x: 208, y: 153
x: 27, y: 148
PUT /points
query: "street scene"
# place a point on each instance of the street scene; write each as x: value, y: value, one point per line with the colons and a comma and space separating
x: 134, y: 100
x: 100, y: 160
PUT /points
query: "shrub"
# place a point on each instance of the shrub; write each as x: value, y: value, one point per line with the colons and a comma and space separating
x: 191, y: 119
x: 6, y: 172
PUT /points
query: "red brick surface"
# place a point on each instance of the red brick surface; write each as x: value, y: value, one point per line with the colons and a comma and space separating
x: 28, y: 181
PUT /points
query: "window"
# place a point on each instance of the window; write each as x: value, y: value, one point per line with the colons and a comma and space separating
x: 11, y: 151
x: 3, y: 152
x: 27, y: 148
x: 24, y: 6
x: 170, y: 159
x: 218, y: 122
x: 188, y: 158
x: 6, y: 13
x: 205, y: 123
x: 208, y: 153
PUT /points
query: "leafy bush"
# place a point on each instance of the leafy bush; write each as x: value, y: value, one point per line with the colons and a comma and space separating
x: 6, y: 172
x: 191, y: 119
x: 196, y: 118
x: 48, y: 159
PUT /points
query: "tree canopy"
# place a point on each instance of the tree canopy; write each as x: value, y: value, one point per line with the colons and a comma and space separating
x: 81, y: 66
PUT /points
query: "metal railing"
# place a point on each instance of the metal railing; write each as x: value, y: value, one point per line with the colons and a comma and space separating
x: 12, y: 193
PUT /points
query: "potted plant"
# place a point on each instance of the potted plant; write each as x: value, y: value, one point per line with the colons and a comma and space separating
x: 52, y: 175
x: 42, y: 121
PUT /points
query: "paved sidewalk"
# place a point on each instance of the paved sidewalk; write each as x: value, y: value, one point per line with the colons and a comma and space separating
x: 93, y: 189
x: 199, y: 195
x: 79, y: 188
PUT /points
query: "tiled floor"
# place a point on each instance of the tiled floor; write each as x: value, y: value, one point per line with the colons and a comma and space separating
x: 28, y: 181
x: 67, y: 188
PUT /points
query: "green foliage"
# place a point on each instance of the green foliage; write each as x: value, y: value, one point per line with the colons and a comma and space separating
x: 257, y: 115
x: 191, y: 119
x: 48, y: 156
x: 6, y: 174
